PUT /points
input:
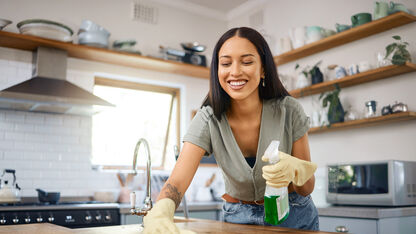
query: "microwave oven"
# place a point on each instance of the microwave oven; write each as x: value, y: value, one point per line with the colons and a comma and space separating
x: 379, y: 183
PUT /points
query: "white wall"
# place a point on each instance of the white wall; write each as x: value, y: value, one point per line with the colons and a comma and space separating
x: 390, y: 141
x: 40, y: 146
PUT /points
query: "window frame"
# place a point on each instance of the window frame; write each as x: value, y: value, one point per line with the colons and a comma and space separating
x: 176, y: 97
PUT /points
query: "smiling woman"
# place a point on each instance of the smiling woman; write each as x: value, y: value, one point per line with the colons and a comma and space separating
x: 142, y: 111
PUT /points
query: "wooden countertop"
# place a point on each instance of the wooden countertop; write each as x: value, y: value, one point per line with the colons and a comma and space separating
x: 196, y: 225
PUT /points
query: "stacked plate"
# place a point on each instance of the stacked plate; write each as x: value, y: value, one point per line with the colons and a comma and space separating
x: 46, y: 28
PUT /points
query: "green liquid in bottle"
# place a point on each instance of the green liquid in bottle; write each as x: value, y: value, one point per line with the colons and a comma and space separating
x: 276, y: 210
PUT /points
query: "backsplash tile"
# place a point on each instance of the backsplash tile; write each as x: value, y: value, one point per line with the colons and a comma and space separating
x: 51, y: 152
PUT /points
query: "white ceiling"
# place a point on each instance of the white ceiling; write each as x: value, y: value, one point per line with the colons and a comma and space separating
x: 223, y: 6
x: 216, y: 9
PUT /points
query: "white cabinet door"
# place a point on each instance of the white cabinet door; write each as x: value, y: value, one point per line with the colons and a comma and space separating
x: 356, y: 226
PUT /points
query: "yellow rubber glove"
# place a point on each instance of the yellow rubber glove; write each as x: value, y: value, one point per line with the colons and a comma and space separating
x: 288, y: 169
x: 160, y: 219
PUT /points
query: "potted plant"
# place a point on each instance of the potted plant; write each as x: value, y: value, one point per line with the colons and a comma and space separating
x: 314, y: 72
x: 400, y: 54
x: 335, y: 110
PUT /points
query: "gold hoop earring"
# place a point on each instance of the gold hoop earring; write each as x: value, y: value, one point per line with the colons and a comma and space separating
x: 263, y: 83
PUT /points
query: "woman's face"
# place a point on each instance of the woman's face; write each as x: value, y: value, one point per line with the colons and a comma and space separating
x: 239, y: 68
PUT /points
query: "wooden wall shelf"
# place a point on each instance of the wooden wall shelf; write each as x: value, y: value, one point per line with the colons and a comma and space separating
x: 403, y: 116
x: 360, y: 78
x: 365, y: 30
x: 27, y: 42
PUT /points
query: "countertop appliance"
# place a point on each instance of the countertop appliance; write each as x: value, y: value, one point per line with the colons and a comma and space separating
x: 378, y: 183
x: 9, y: 191
x: 67, y: 214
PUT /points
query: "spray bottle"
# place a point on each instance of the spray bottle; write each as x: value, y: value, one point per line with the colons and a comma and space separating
x: 276, y: 200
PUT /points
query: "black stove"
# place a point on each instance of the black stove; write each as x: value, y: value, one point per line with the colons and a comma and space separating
x: 67, y: 214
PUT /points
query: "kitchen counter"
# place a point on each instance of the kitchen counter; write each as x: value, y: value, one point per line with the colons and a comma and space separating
x: 367, y: 212
x: 192, y: 206
x: 197, y: 225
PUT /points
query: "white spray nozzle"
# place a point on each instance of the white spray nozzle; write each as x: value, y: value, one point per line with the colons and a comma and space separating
x: 272, y: 152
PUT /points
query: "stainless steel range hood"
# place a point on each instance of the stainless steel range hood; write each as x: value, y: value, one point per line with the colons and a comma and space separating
x: 49, y: 91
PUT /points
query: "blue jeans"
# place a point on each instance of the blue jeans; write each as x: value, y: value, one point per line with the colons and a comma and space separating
x: 302, y: 215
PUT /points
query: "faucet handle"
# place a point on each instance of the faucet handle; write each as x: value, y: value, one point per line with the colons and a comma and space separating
x: 133, y: 200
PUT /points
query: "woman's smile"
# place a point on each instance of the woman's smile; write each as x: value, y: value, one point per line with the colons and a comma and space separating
x: 236, y: 84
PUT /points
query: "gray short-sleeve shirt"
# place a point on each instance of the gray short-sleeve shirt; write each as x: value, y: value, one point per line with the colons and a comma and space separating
x: 282, y: 119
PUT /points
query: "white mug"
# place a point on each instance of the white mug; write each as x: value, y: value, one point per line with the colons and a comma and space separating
x: 298, y: 36
x: 364, y: 66
x: 285, y: 45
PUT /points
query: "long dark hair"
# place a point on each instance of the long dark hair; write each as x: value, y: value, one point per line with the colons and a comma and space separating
x: 217, y: 98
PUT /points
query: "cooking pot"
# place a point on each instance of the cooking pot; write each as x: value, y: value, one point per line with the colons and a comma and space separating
x: 193, y: 46
x: 51, y: 198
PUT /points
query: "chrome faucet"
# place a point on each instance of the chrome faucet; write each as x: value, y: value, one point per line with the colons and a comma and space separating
x: 148, y: 200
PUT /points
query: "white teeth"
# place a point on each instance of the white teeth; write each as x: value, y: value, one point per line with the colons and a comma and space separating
x: 236, y: 83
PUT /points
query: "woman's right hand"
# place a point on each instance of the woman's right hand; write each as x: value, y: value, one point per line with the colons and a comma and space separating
x: 160, y: 219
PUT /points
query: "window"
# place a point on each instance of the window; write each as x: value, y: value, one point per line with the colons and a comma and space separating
x: 142, y: 111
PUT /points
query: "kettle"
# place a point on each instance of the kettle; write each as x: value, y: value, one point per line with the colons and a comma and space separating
x: 9, y: 193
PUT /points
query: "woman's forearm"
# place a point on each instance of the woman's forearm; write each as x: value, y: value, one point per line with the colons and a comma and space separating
x: 181, y: 176
x: 305, y: 189
x: 171, y: 191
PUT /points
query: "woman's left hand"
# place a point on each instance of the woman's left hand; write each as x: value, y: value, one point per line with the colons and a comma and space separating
x: 288, y: 169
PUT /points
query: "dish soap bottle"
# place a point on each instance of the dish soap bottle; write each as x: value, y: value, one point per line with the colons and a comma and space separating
x: 276, y: 200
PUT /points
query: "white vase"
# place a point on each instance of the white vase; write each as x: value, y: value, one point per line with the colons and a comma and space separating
x: 302, y: 81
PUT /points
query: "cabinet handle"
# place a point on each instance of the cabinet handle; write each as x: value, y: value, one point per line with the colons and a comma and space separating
x: 341, y: 229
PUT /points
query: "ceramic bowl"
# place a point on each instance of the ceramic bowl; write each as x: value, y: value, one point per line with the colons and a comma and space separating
x: 89, y: 26
x: 46, y: 28
x: 342, y: 27
x: 4, y: 23
x: 96, y: 39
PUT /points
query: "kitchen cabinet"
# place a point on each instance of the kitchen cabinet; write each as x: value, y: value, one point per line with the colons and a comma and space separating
x: 377, y: 26
x: 27, y: 42
x: 368, y: 226
x: 350, y: 225
x: 368, y: 220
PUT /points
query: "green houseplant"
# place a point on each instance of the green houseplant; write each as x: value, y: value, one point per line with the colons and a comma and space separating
x: 400, y: 54
x: 335, y: 110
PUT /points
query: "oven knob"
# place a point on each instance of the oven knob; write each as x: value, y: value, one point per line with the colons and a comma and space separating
x: 88, y: 217
x: 107, y: 217
x: 15, y: 220
x: 98, y: 217
x: 51, y: 219
x: 39, y: 219
x: 3, y: 221
x: 27, y: 219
